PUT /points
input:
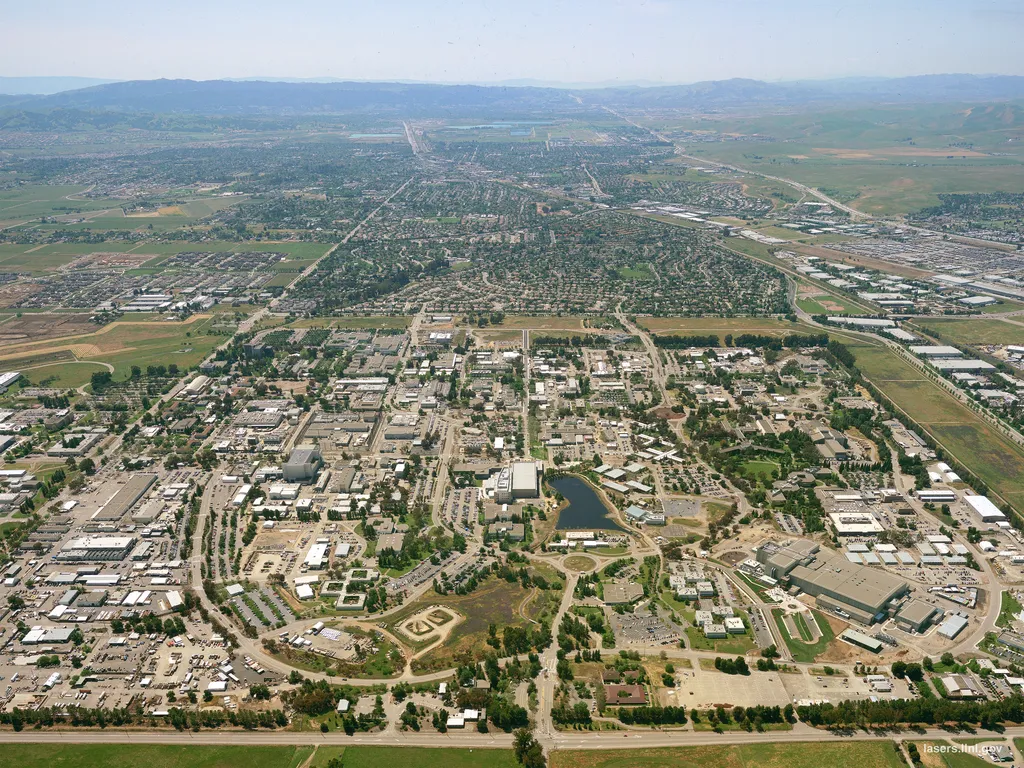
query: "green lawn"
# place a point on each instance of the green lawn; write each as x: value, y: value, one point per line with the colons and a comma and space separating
x: 150, y: 755
x: 736, y: 645
x: 880, y: 754
x: 814, y: 305
x: 1008, y: 609
x: 65, y: 375
x: 122, y: 344
x: 802, y: 628
x: 194, y: 756
x: 427, y: 757
x: 802, y: 651
x: 636, y: 272
x: 974, y: 331
x: 759, y: 468
x: 950, y: 759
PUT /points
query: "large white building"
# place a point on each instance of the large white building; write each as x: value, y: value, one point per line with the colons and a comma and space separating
x: 520, y: 480
x: 984, y: 508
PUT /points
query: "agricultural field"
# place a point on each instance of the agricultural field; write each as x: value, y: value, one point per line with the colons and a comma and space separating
x: 155, y: 756
x: 117, y: 346
x: 29, y: 202
x: 880, y: 754
x: 993, y: 458
x: 864, y: 158
x: 201, y: 756
x: 973, y: 331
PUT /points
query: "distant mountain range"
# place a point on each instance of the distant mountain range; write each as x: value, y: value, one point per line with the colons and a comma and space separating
x: 254, y: 97
x: 46, y: 85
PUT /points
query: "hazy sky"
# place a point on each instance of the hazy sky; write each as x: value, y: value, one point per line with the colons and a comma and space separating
x: 588, y: 41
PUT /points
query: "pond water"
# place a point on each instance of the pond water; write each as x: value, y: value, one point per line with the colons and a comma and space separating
x: 585, y: 510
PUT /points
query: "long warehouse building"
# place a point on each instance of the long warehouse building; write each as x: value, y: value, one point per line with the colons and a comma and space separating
x: 126, y: 498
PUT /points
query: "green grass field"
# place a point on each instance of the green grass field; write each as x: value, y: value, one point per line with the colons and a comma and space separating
x: 825, y: 304
x: 150, y: 755
x: 737, y: 645
x: 759, y: 469
x: 32, y: 201
x: 992, y: 457
x: 949, y: 759
x: 195, y: 756
x: 636, y: 272
x: 803, y: 651
x: 121, y: 344
x: 880, y: 754
x: 974, y: 331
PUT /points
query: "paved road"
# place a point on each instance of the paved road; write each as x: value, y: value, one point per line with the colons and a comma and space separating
x: 468, y: 739
x: 548, y: 681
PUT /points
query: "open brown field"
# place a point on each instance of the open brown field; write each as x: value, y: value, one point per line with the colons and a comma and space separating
x: 39, y: 327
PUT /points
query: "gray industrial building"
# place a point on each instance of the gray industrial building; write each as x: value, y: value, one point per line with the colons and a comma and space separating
x: 126, y: 498
x: 302, y: 465
x: 849, y: 589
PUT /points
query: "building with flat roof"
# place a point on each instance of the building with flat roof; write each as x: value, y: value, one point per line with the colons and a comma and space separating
x: 303, y: 464
x: 519, y: 480
x: 867, y: 642
x: 865, y: 589
x: 622, y: 593
x: 984, y: 508
x: 855, y: 524
x: 125, y: 498
x: 844, y: 587
x: 317, y: 558
x: 936, y: 351
x: 916, y: 615
x: 952, y: 626
x: 525, y: 480
x: 96, y: 548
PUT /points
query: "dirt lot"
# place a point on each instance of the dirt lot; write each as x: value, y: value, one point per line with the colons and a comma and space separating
x: 701, y: 689
x: 38, y: 327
